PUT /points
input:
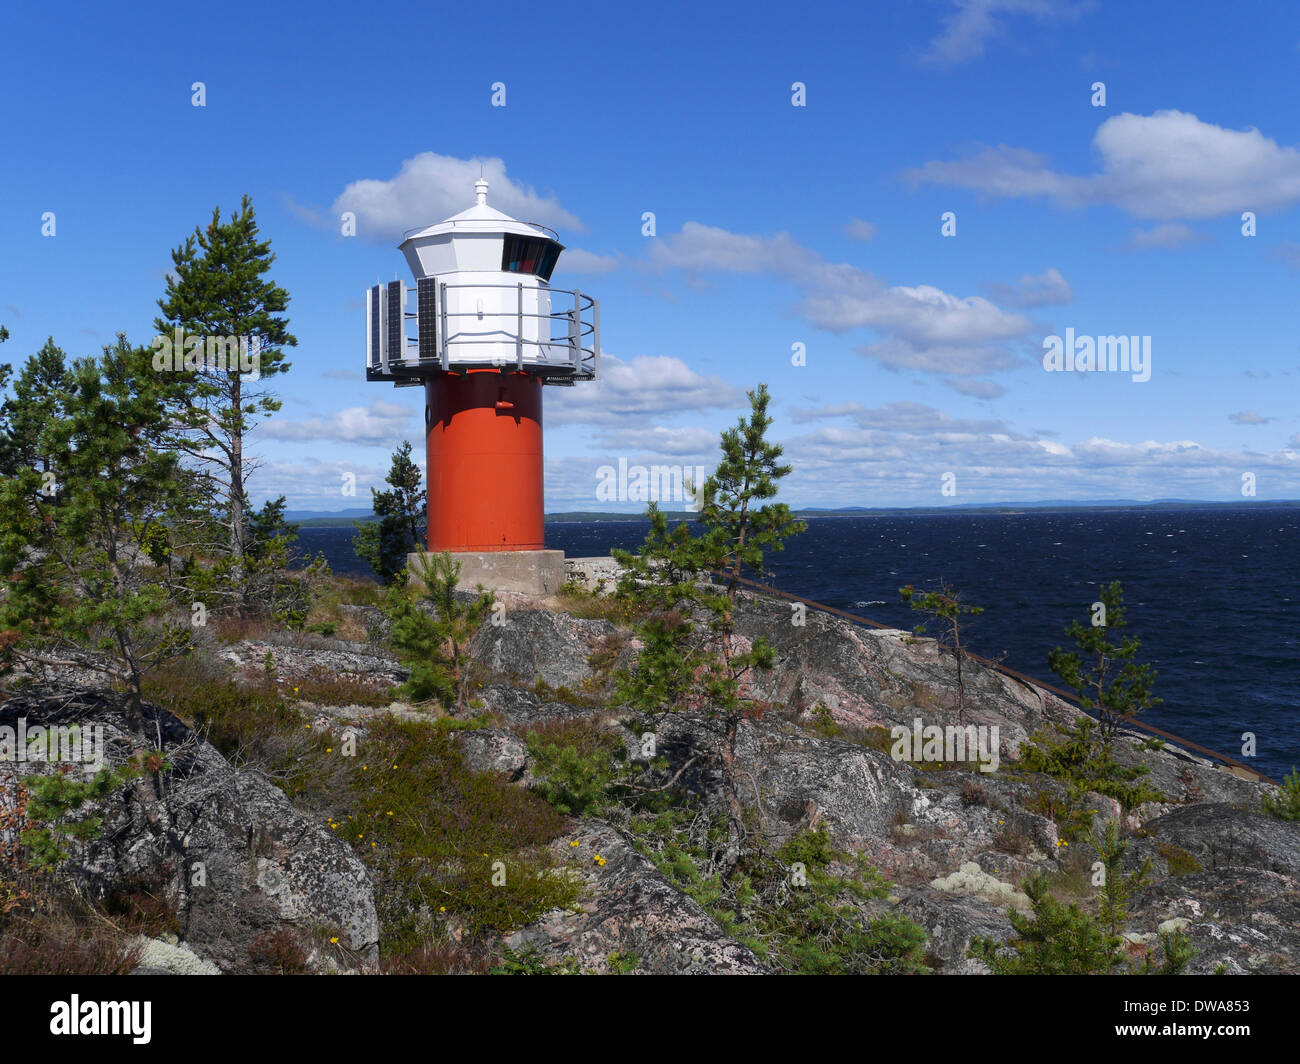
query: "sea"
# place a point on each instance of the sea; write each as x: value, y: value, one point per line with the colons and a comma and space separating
x: 1213, y: 594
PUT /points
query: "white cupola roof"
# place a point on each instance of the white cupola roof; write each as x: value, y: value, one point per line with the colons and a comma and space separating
x: 472, y: 240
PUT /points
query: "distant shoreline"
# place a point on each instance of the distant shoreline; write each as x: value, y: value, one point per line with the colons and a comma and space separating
x: 325, y: 520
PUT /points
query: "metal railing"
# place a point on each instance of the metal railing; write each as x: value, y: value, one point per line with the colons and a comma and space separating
x: 562, y: 345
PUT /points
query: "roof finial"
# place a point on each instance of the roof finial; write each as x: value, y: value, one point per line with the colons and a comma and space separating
x: 480, y: 190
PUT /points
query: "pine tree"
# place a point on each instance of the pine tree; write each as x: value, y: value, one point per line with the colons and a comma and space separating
x: 76, y: 550
x: 400, y: 530
x: 432, y: 627
x: 1117, y: 886
x: 748, y: 473
x: 1106, y: 678
x: 287, y: 596
x: 947, y: 607
x: 38, y: 392
x: 690, y: 658
x: 1064, y: 940
x: 1056, y: 940
x: 218, y: 292
x: 6, y: 371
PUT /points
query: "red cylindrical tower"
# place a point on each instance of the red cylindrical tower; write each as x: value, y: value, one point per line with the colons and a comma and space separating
x: 490, y: 333
x: 484, y: 449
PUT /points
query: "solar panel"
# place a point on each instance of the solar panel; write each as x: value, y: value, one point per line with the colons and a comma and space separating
x: 426, y: 299
x: 396, y: 313
x: 373, y: 330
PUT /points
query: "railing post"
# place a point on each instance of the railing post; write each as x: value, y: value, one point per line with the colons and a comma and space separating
x: 595, y: 339
x: 519, y: 330
x: 442, y: 306
x: 575, y: 332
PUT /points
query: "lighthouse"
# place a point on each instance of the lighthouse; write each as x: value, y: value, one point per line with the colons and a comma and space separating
x: 483, y: 333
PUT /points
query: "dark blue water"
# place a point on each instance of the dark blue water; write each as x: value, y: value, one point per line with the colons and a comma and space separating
x: 1213, y: 595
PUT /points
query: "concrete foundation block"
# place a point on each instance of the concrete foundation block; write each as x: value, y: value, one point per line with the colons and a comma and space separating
x: 594, y: 574
x: 529, y: 572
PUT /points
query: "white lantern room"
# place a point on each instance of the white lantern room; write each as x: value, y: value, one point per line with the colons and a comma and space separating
x: 483, y: 300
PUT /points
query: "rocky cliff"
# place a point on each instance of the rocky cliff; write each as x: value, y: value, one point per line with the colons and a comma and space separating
x: 955, y: 841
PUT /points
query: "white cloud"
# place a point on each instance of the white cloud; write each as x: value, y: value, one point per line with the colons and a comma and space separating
x: 707, y: 247
x: 646, y: 385
x: 1166, y: 165
x: 860, y: 230
x: 313, y: 484
x: 1249, y: 417
x: 1098, y: 449
x: 1165, y: 235
x: 657, y: 439
x: 575, y: 260
x: 973, y: 23
x: 960, y: 359
x: 923, y: 326
x: 928, y: 315
x: 897, y: 455
x: 978, y: 389
x: 381, y: 424
x: 431, y: 187
x: 1045, y: 289
x: 906, y: 419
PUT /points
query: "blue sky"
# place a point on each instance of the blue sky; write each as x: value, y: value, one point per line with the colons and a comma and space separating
x: 775, y: 224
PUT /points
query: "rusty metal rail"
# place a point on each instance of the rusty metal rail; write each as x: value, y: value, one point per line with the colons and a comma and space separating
x: 1061, y: 693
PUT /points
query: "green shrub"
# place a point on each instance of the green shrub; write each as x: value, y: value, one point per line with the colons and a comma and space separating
x: 818, y: 924
x: 1072, y: 818
x: 573, y: 761
x: 622, y: 963
x: 803, y: 909
x: 589, y: 605
x: 528, y: 961
x: 1286, y: 805
x: 57, y: 810
x: 252, y: 725
x: 432, y: 628
x: 1180, y: 862
x: 447, y: 844
x: 1077, y: 757
x: 1058, y: 939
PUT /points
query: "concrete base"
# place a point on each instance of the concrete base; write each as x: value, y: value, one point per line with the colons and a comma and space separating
x: 529, y: 572
x: 594, y: 574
